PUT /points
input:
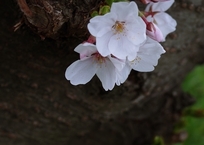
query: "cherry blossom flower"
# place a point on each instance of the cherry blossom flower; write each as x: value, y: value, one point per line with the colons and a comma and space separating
x: 156, y: 13
x: 119, y: 32
x: 124, y: 42
x: 91, y: 63
x: 109, y: 69
x: 147, y: 56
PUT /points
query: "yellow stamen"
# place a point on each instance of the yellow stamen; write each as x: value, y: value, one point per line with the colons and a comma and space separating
x: 136, y: 60
x: 100, y: 59
x: 118, y: 27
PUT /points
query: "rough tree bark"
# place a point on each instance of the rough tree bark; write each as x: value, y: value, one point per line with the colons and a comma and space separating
x: 38, y: 106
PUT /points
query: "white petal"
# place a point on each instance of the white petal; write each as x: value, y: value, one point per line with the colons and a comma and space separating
x: 148, y: 7
x: 123, y: 74
x: 102, y: 44
x: 121, y: 47
x: 136, y: 31
x: 119, y: 64
x: 159, y: 6
x: 107, y: 75
x: 81, y: 71
x: 123, y: 9
x: 147, y: 56
x: 100, y: 25
x: 85, y: 49
x: 165, y: 23
x: 149, y: 59
x: 150, y: 18
x: 151, y: 47
x: 142, y: 66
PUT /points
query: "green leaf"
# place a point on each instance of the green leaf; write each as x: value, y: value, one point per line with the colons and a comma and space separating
x: 195, y: 128
x: 94, y: 13
x: 109, y: 2
x: 158, y: 140
x: 194, y: 115
x: 103, y: 10
x: 194, y: 85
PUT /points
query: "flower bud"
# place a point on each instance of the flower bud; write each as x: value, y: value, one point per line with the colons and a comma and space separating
x: 154, y: 32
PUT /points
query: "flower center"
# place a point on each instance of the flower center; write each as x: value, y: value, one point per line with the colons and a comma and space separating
x: 100, y: 59
x: 119, y: 27
x: 135, y: 61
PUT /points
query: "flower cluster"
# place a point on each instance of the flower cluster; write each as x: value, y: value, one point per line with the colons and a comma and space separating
x: 121, y: 40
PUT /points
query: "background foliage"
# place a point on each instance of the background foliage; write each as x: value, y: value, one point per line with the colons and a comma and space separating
x: 194, y: 115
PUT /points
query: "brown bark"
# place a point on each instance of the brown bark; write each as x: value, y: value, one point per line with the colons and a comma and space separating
x: 39, y: 106
x: 46, y: 17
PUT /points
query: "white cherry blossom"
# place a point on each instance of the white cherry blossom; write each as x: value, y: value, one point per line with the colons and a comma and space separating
x: 91, y: 63
x: 156, y: 14
x: 147, y: 56
x: 124, y: 42
x: 119, y: 32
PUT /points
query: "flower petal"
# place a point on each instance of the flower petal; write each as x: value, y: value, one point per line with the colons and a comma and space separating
x: 136, y: 30
x: 141, y: 66
x: 123, y: 74
x: 102, y: 43
x: 159, y: 6
x: 81, y: 71
x: 123, y: 9
x: 147, y: 56
x: 121, y: 47
x: 165, y: 23
x: 100, y: 25
x: 85, y: 49
x: 119, y: 64
x: 106, y: 74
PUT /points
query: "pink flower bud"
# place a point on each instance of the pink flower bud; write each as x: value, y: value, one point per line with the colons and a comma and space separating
x: 91, y: 39
x: 154, y: 32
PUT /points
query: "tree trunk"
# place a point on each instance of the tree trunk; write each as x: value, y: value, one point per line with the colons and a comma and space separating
x: 38, y: 106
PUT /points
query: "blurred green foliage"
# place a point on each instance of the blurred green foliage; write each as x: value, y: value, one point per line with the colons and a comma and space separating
x: 158, y: 141
x: 106, y: 8
x: 194, y: 116
x: 194, y: 85
x: 103, y: 10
